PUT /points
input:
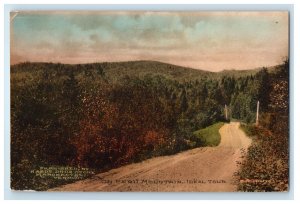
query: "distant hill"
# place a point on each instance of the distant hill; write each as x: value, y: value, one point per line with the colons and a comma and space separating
x: 117, y: 70
x: 144, y: 68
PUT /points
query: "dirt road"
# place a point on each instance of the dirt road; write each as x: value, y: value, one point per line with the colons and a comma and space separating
x: 201, y: 169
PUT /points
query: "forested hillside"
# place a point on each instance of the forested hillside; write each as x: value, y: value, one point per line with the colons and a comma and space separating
x: 105, y: 115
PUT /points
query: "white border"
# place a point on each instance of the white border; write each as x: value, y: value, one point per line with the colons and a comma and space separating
x: 4, y: 94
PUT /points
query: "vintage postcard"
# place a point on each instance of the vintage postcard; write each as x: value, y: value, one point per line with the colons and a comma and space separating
x: 149, y: 101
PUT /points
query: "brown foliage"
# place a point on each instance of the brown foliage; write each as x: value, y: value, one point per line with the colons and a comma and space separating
x: 108, y: 138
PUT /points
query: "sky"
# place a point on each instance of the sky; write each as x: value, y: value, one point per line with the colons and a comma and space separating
x: 208, y: 40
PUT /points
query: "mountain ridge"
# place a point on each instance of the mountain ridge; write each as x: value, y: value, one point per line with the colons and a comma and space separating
x: 140, y: 68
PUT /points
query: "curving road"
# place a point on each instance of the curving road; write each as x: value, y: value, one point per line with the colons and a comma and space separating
x: 202, y: 169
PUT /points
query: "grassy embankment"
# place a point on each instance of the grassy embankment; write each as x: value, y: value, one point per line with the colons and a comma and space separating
x: 210, y: 135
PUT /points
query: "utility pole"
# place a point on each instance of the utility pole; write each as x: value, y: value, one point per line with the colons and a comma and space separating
x: 257, y: 113
x: 226, y: 114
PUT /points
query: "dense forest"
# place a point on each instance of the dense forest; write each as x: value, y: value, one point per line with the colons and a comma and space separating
x: 266, y: 165
x: 104, y: 115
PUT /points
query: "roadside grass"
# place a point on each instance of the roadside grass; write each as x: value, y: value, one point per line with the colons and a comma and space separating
x: 250, y: 130
x: 266, y: 164
x: 210, y: 135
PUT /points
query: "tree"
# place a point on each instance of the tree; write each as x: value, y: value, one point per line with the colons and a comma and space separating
x: 184, y: 102
x: 262, y: 78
